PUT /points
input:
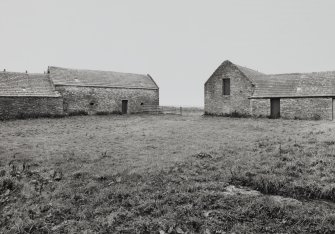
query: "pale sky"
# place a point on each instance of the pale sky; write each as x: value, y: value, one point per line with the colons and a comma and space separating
x: 178, y: 42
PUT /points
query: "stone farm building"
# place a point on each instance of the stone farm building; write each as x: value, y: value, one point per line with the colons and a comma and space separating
x: 64, y: 91
x: 24, y: 95
x: 236, y: 90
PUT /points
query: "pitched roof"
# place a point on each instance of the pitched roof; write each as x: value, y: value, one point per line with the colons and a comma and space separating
x: 23, y: 84
x: 251, y: 74
x: 79, y: 77
x: 316, y: 84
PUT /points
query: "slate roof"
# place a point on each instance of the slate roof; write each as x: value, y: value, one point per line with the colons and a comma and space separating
x: 251, y: 74
x: 93, y: 78
x: 315, y: 84
x: 14, y: 84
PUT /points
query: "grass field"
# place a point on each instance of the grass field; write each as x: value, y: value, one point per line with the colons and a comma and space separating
x: 167, y: 174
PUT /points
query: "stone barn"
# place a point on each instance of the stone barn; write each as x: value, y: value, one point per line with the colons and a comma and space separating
x: 98, y: 92
x: 236, y: 90
x: 25, y: 95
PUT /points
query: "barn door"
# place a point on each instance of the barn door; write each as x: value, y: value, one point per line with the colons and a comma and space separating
x: 275, y: 108
x: 333, y: 109
x: 124, y: 106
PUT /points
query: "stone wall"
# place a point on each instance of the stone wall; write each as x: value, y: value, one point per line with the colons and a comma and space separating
x: 296, y: 108
x: 24, y: 107
x: 306, y: 108
x: 240, y: 90
x: 95, y: 100
x: 260, y: 107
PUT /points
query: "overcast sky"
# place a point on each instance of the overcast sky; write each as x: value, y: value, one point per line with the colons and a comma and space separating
x: 178, y: 42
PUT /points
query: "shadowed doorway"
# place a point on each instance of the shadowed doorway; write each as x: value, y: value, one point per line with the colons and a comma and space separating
x: 124, y: 106
x: 275, y: 108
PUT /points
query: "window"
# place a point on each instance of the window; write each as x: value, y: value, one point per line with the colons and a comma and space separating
x: 226, y: 86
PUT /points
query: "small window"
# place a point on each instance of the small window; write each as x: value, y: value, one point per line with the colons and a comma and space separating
x: 226, y: 86
x: 142, y: 103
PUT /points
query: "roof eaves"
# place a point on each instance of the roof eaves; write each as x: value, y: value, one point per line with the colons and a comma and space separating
x: 292, y: 96
x: 30, y: 95
x: 106, y: 86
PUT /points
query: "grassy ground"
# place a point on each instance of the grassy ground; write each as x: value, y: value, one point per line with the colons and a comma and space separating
x: 166, y: 174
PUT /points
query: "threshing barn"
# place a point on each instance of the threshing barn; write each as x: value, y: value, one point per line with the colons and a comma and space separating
x: 95, y: 92
x: 237, y: 90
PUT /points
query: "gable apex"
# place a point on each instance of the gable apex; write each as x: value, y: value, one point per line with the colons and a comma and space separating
x: 226, y: 62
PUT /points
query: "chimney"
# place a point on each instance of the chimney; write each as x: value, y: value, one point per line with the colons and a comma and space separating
x: 26, y: 71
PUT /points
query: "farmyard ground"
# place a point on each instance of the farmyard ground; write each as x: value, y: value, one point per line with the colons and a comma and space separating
x: 166, y: 174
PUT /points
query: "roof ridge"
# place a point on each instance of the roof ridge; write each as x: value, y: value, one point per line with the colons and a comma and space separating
x: 300, y: 73
x: 94, y: 70
x: 281, y: 74
x: 239, y: 66
x: 23, y: 73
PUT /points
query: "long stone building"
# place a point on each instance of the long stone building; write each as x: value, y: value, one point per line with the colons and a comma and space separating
x: 237, y: 90
x: 64, y: 91
x: 104, y: 91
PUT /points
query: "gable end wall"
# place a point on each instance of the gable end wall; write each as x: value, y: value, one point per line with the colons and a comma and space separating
x: 240, y: 90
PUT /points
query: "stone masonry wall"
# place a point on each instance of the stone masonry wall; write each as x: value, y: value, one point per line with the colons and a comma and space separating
x: 240, y: 90
x: 296, y: 108
x: 20, y: 107
x: 306, y: 108
x: 93, y: 100
x: 260, y: 107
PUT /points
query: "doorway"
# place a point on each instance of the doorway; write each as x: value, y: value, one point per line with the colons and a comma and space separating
x: 124, y: 106
x: 275, y: 108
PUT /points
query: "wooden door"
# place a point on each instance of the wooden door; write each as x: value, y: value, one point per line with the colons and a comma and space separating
x: 124, y: 106
x: 275, y: 108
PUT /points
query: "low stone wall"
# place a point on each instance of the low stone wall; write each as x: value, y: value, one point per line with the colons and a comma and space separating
x: 296, y: 108
x: 95, y: 100
x: 26, y: 107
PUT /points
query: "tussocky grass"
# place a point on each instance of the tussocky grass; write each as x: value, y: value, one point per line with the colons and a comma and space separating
x: 138, y: 174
